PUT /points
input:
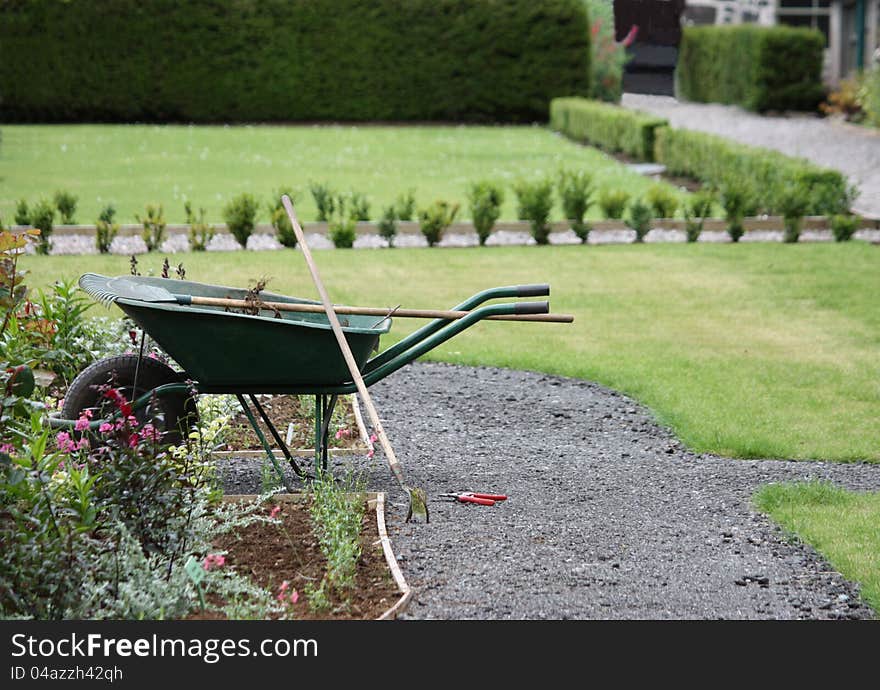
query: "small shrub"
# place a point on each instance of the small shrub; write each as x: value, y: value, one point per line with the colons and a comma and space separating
x: 200, y: 231
x: 154, y: 226
x: 388, y: 225
x: 280, y: 221
x: 359, y: 206
x: 844, y: 226
x: 105, y: 229
x: 662, y: 200
x: 240, y: 215
x: 738, y: 201
x: 405, y: 206
x: 696, y: 211
x: 846, y: 100
x: 485, y: 199
x: 22, y: 213
x: 576, y: 194
x: 640, y: 219
x: 325, y: 200
x: 534, y: 204
x: 793, y: 205
x: 42, y: 217
x: 342, y: 232
x: 434, y: 220
x: 613, y: 203
x: 65, y: 202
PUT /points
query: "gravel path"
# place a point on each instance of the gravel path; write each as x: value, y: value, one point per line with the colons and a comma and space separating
x: 608, y: 516
x: 853, y: 150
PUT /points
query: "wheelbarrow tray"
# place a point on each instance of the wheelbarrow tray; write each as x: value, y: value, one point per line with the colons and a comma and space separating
x: 231, y: 352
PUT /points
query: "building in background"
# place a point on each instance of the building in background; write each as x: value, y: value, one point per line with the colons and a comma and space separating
x: 653, y: 54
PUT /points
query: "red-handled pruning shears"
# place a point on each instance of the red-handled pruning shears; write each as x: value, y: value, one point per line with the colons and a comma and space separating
x: 473, y: 497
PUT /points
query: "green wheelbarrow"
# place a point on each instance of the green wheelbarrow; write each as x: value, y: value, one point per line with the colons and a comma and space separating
x: 228, y: 341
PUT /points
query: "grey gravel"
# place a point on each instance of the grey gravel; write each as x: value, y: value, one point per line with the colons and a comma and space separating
x: 609, y: 516
x: 852, y: 149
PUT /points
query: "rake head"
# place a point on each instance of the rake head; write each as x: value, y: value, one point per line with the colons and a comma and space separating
x: 107, y: 290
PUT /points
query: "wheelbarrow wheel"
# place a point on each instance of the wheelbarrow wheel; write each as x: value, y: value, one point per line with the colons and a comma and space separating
x: 173, y: 414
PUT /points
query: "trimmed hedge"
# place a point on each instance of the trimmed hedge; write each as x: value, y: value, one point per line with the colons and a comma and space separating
x: 610, y: 127
x: 714, y: 159
x: 288, y: 60
x: 758, y: 67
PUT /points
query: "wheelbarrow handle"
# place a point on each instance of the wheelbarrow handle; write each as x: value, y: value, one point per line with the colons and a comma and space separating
x: 532, y: 308
x: 538, y: 290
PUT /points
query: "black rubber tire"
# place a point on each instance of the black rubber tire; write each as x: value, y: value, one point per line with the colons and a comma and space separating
x: 173, y: 414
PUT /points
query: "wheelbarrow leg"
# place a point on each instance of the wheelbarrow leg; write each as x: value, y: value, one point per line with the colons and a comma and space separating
x: 265, y: 443
x: 324, y: 405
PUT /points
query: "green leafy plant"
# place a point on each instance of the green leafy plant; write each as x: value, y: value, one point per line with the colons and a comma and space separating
x: 405, y: 205
x: 240, y: 215
x: 607, y: 55
x: 738, y: 200
x: 793, y: 205
x: 640, y: 219
x: 154, y: 224
x: 534, y: 204
x: 485, y: 199
x: 280, y: 221
x: 359, y: 206
x: 869, y: 96
x: 388, y: 225
x: 65, y: 202
x: 342, y: 232
x: 22, y: 213
x: 696, y: 210
x: 613, y: 202
x: 843, y: 227
x: 576, y: 191
x: 325, y: 200
x: 106, y: 229
x: 434, y: 220
x: 662, y: 200
x: 42, y: 217
x: 200, y: 231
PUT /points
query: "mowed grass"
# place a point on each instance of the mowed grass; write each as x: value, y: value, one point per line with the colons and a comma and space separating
x: 843, y: 526
x: 131, y: 165
x: 754, y: 350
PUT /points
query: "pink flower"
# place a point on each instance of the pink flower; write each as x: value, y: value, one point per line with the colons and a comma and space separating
x: 105, y: 427
x: 133, y: 440
x: 150, y: 432
x: 213, y: 560
x: 274, y: 512
x: 370, y: 454
x: 284, y: 586
x: 65, y: 443
x: 373, y: 438
x: 294, y: 597
x: 153, y: 355
x: 83, y: 443
x: 85, y: 413
x: 7, y: 448
x: 82, y: 424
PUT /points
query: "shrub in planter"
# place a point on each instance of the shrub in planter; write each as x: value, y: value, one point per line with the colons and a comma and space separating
x: 105, y: 229
x: 576, y: 191
x: 325, y: 200
x: 388, y: 225
x: 485, y: 199
x: 662, y: 200
x: 535, y: 202
x: 42, y: 217
x: 240, y: 215
x: 22, y: 213
x: 200, y: 231
x: 793, y: 205
x: 405, y: 205
x: 154, y: 226
x: 696, y: 210
x: 640, y: 219
x: 434, y: 220
x: 359, y: 206
x: 342, y: 232
x: 65, y: 202
x: 738, y: 201
x: 278, y: 218
x: 613, y: 203
x: 843, y: 227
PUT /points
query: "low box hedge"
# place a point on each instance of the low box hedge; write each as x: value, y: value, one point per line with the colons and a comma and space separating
x: 607, y: 126
x: 758, y: 67
x: 290, y: 60
x: 714, y: 159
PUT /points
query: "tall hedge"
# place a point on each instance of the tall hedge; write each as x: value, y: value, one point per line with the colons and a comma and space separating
x: 758, y: 67
x: 771, y: 174
x: 288, y: 60
x: 607, y: 126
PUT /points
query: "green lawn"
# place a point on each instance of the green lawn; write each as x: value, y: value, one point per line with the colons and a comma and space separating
x: 755, y: 350
x: 130, y: 165
x: 843, y: 526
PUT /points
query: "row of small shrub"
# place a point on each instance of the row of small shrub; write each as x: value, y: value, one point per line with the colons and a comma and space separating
x: 712, y: 159
x: 758, y: 67
x: 276, y: 60
x: 607, y: 126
